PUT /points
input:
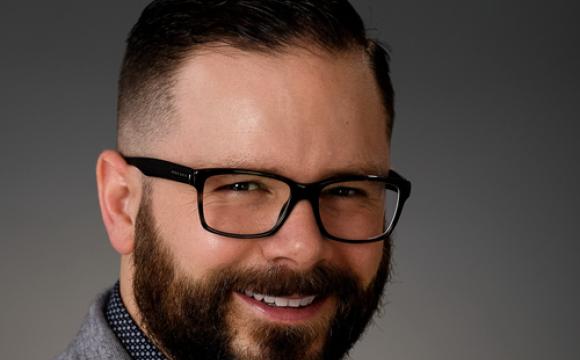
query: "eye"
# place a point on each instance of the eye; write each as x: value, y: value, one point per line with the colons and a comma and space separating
x: 343, y: 191
x: 242, y: 186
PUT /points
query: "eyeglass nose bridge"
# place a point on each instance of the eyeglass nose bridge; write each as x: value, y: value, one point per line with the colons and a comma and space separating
x: 299, y: 192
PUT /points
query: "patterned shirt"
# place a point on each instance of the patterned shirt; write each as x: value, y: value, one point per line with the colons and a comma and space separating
x: 133, y: 339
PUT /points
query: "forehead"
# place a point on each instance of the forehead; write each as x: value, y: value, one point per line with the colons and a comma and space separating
x: 300, y: 113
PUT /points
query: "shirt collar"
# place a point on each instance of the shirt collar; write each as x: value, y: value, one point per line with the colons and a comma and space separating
x: 133, y: 339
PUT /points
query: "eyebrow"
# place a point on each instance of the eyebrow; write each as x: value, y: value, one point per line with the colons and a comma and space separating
x: 355, y: 169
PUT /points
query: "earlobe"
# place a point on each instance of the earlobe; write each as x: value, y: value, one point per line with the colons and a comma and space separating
x: 119, y: 187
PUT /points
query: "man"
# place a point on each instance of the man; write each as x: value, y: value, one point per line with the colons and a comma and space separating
x: 251, y: 197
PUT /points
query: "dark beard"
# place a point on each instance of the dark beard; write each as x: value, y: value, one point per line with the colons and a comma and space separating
x: 193, y: 320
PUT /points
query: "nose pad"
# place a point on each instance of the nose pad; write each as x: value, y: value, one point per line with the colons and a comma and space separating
x: 288, y: 208
x: 298, y: 210
x: 283, y: 209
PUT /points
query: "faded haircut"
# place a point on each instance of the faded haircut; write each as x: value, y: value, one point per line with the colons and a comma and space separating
x: 168, y: 31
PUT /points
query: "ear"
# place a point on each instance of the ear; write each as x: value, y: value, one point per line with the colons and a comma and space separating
x: 119, y: 186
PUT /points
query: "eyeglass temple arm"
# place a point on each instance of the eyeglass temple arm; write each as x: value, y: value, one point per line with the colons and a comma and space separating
x: 403, y: 184
x: 162, y: 169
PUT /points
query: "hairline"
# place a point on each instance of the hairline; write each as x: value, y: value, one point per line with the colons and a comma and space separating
x: 165, y: 85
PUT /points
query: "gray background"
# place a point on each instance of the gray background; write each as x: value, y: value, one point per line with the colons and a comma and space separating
x: 487, y: 260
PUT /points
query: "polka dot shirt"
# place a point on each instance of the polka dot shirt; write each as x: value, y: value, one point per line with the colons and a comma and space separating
x: 131, y: 336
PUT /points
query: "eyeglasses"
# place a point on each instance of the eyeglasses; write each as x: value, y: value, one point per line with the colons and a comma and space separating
x: 248, y: 204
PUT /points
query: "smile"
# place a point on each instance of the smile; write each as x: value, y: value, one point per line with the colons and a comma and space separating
x: 289, y: 309
x: 278, y: 301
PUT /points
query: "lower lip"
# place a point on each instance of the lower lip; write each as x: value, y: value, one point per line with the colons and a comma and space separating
x: 285, y: 314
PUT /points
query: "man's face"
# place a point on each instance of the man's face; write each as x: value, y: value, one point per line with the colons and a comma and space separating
x: 304, y: 116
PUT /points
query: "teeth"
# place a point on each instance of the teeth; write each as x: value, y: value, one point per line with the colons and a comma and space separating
x: 307, y: 300
x: 294, y: 302
x: 281, y: 301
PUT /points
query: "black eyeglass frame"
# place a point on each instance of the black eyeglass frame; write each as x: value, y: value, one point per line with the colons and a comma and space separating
x: 298, y: 191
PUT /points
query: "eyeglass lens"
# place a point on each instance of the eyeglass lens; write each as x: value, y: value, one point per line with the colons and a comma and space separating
x: 250, y: 204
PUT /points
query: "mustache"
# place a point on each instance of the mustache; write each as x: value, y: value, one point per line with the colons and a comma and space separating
x: 322, y: 280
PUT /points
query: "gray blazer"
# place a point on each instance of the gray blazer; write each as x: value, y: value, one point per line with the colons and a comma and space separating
x: 95, y: 340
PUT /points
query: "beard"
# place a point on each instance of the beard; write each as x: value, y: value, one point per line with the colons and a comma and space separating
x: 194, y: 319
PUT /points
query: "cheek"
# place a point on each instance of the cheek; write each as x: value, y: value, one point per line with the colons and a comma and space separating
x: 363, y: 259
x: 194, y: 250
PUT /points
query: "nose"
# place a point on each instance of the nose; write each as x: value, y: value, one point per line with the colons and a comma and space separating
x: 298, y: 244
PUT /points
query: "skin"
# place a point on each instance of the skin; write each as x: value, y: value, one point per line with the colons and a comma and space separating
x: 304, y: 114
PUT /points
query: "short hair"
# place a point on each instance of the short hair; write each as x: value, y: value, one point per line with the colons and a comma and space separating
x: 170, y: 30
